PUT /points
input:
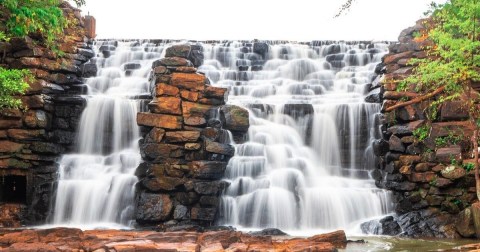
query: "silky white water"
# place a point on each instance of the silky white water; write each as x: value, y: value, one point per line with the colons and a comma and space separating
x: 96, y: 185
x: 306, y: 164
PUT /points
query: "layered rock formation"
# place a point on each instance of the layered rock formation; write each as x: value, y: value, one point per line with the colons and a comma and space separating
x: 31, y: 139
x: 63, y: 239
x: 186, y: 143
x: 421, y: 159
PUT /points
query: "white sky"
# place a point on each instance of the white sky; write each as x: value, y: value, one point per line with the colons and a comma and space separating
x: 294, y: 20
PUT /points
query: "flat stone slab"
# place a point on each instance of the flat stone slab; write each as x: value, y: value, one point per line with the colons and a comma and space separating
x: 70, y: 239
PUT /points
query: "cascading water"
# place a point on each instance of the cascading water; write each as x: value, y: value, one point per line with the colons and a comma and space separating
x: 306, y: 163
x: 96, y: 184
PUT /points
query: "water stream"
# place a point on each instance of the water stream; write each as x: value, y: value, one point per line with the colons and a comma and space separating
x: 96, y: 184
x: 305, y: 167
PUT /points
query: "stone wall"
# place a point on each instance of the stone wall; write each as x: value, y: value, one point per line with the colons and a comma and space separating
x: 432, y: 191
x: 185, y: 145
x: 33, y: 138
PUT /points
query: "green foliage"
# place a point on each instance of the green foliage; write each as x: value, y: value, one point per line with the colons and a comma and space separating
x: 421, y: 133
x: 454, y: 58
x: 12, y: 82
x: 468, y: 166
x: 451, y: 138
x: 35, y: 16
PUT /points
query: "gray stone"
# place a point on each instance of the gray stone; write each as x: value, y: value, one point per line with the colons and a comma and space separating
x: 153, y: 207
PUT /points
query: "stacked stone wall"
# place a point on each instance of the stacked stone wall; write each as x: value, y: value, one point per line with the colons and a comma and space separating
x: 185, y: 145
x: 33, y: 138
x: 432, y: 188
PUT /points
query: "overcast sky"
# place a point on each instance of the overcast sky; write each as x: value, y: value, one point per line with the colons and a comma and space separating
x: 294, y: 20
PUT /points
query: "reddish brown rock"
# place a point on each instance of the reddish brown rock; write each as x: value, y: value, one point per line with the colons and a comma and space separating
x: 160, y: 70
x: 164, y: 89
x: 155, y: 135
x: 192, y: 146
x: 392, y: 58
x: 10, y: 123
x: 211, y: 170
x: 449, y: 154
x: 195, y: 121
x: 224, y: 149
x: 409, y: 159
x: 182, y: 136
x: 35, y: 119
x: 33, y: 101
x: 159, y: 120
x: 189, y: 95
x: 162, y: 183
x: 454, y: 110
x: 422, y: 177
x: 215, y: 92
x: 153, y: 150
x: 453, y: 172
x: 10, y: 147
x: 191, y: 81
x: 20, y: 134
x: 166, y: 105
x: 191, y: 109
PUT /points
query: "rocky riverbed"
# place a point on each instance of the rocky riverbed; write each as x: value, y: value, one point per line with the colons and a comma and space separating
x: 69, y: 239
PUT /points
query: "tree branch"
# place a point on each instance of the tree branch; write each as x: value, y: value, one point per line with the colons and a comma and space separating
x: 416, y: 100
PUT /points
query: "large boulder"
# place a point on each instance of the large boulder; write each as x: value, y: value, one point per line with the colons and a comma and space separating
x: 235, y: 118
x: 153, y: 207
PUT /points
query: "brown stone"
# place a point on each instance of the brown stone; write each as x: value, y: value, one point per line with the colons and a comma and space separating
x: 184, y: 69
x: 172, y: 62
x: 160, y: 70
x: 153, y: 150
x: 189, y: 81
x: 153, y: 207
x: 33, y: 101
x: 394, y: 95
x: 449, y: 154
x: 162, y: 183
x: 434, y: 200
x: 182, y: 136
x: 422, y: 167
x: 337, y: 238
x: 464, y: 223
x: 405, y: 129
x: 410, y: 159
x: 224, y: 149
x: 211, y: 170
x: 204, y: 214
x: 180, y: 50
x: 454, y: 110
x: 10, y: 147
x: 396, y: 144
x: 189, y: 95
x: 215, y: 92
x: 406, y: 170
x: 451, y: 128
x: 35, y: 119
x: 453, y: 172
x: 393, y: 58
x: 164, y: 89
x: 155, y: 135
x: 10, y: 123
x: 191, y: 109
x: 442, y: 182
x: 20, y: 134
x: 193, y: 146
x: 195, y: 121
x: 166, y: 105
x: 159, y: 120
x: 423, y: 177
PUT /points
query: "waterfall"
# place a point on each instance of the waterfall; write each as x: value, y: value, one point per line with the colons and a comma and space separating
x: 96, y: 185
x: 307, y: 161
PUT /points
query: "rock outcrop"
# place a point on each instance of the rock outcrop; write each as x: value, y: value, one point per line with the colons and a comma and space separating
x: 421, y: 159
x: 186, y: 144
x: 64, y: 239
x: 31, y: 139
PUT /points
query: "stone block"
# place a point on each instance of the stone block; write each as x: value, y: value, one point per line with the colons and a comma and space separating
x: 166, y: 105
x: 203, y: 214
x: 164, y: 89
x: 191, y: 109
x: 153, y: 207
x: 211, y: 170
x: 153, y: 150
x: 190, y: 81
x: 181, y: 136
x: 454, y: 110
x: 159, y: 120
x: 235, y: 118
x: 449, y: 154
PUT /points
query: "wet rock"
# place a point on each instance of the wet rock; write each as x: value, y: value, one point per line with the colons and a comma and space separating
x: 153, y: 207
x: 131, y: 66
x: 10, y: 147
x: 89, y: 70
x: 261, y: 48
x: 268, y: 231
x: 235, y: 118
x: 453, y: 110
x: 208, y: 169
x: 180, y: 212
x: 384, y: 226
x: 395, y: 144
x: 224, y: 149
x: 380, y: 147
x: 182, y: 136
x: 206, y: 188
x: 191, y: 109
x: 153, y: 150
x: 189, y: 96
x: 203, y: 214
x: 446, y: 155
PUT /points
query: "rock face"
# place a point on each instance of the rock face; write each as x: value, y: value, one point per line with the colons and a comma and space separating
x: 63, y: 239
x: 432, y: 189
x: 32, y: 139
x: 182, y: 148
